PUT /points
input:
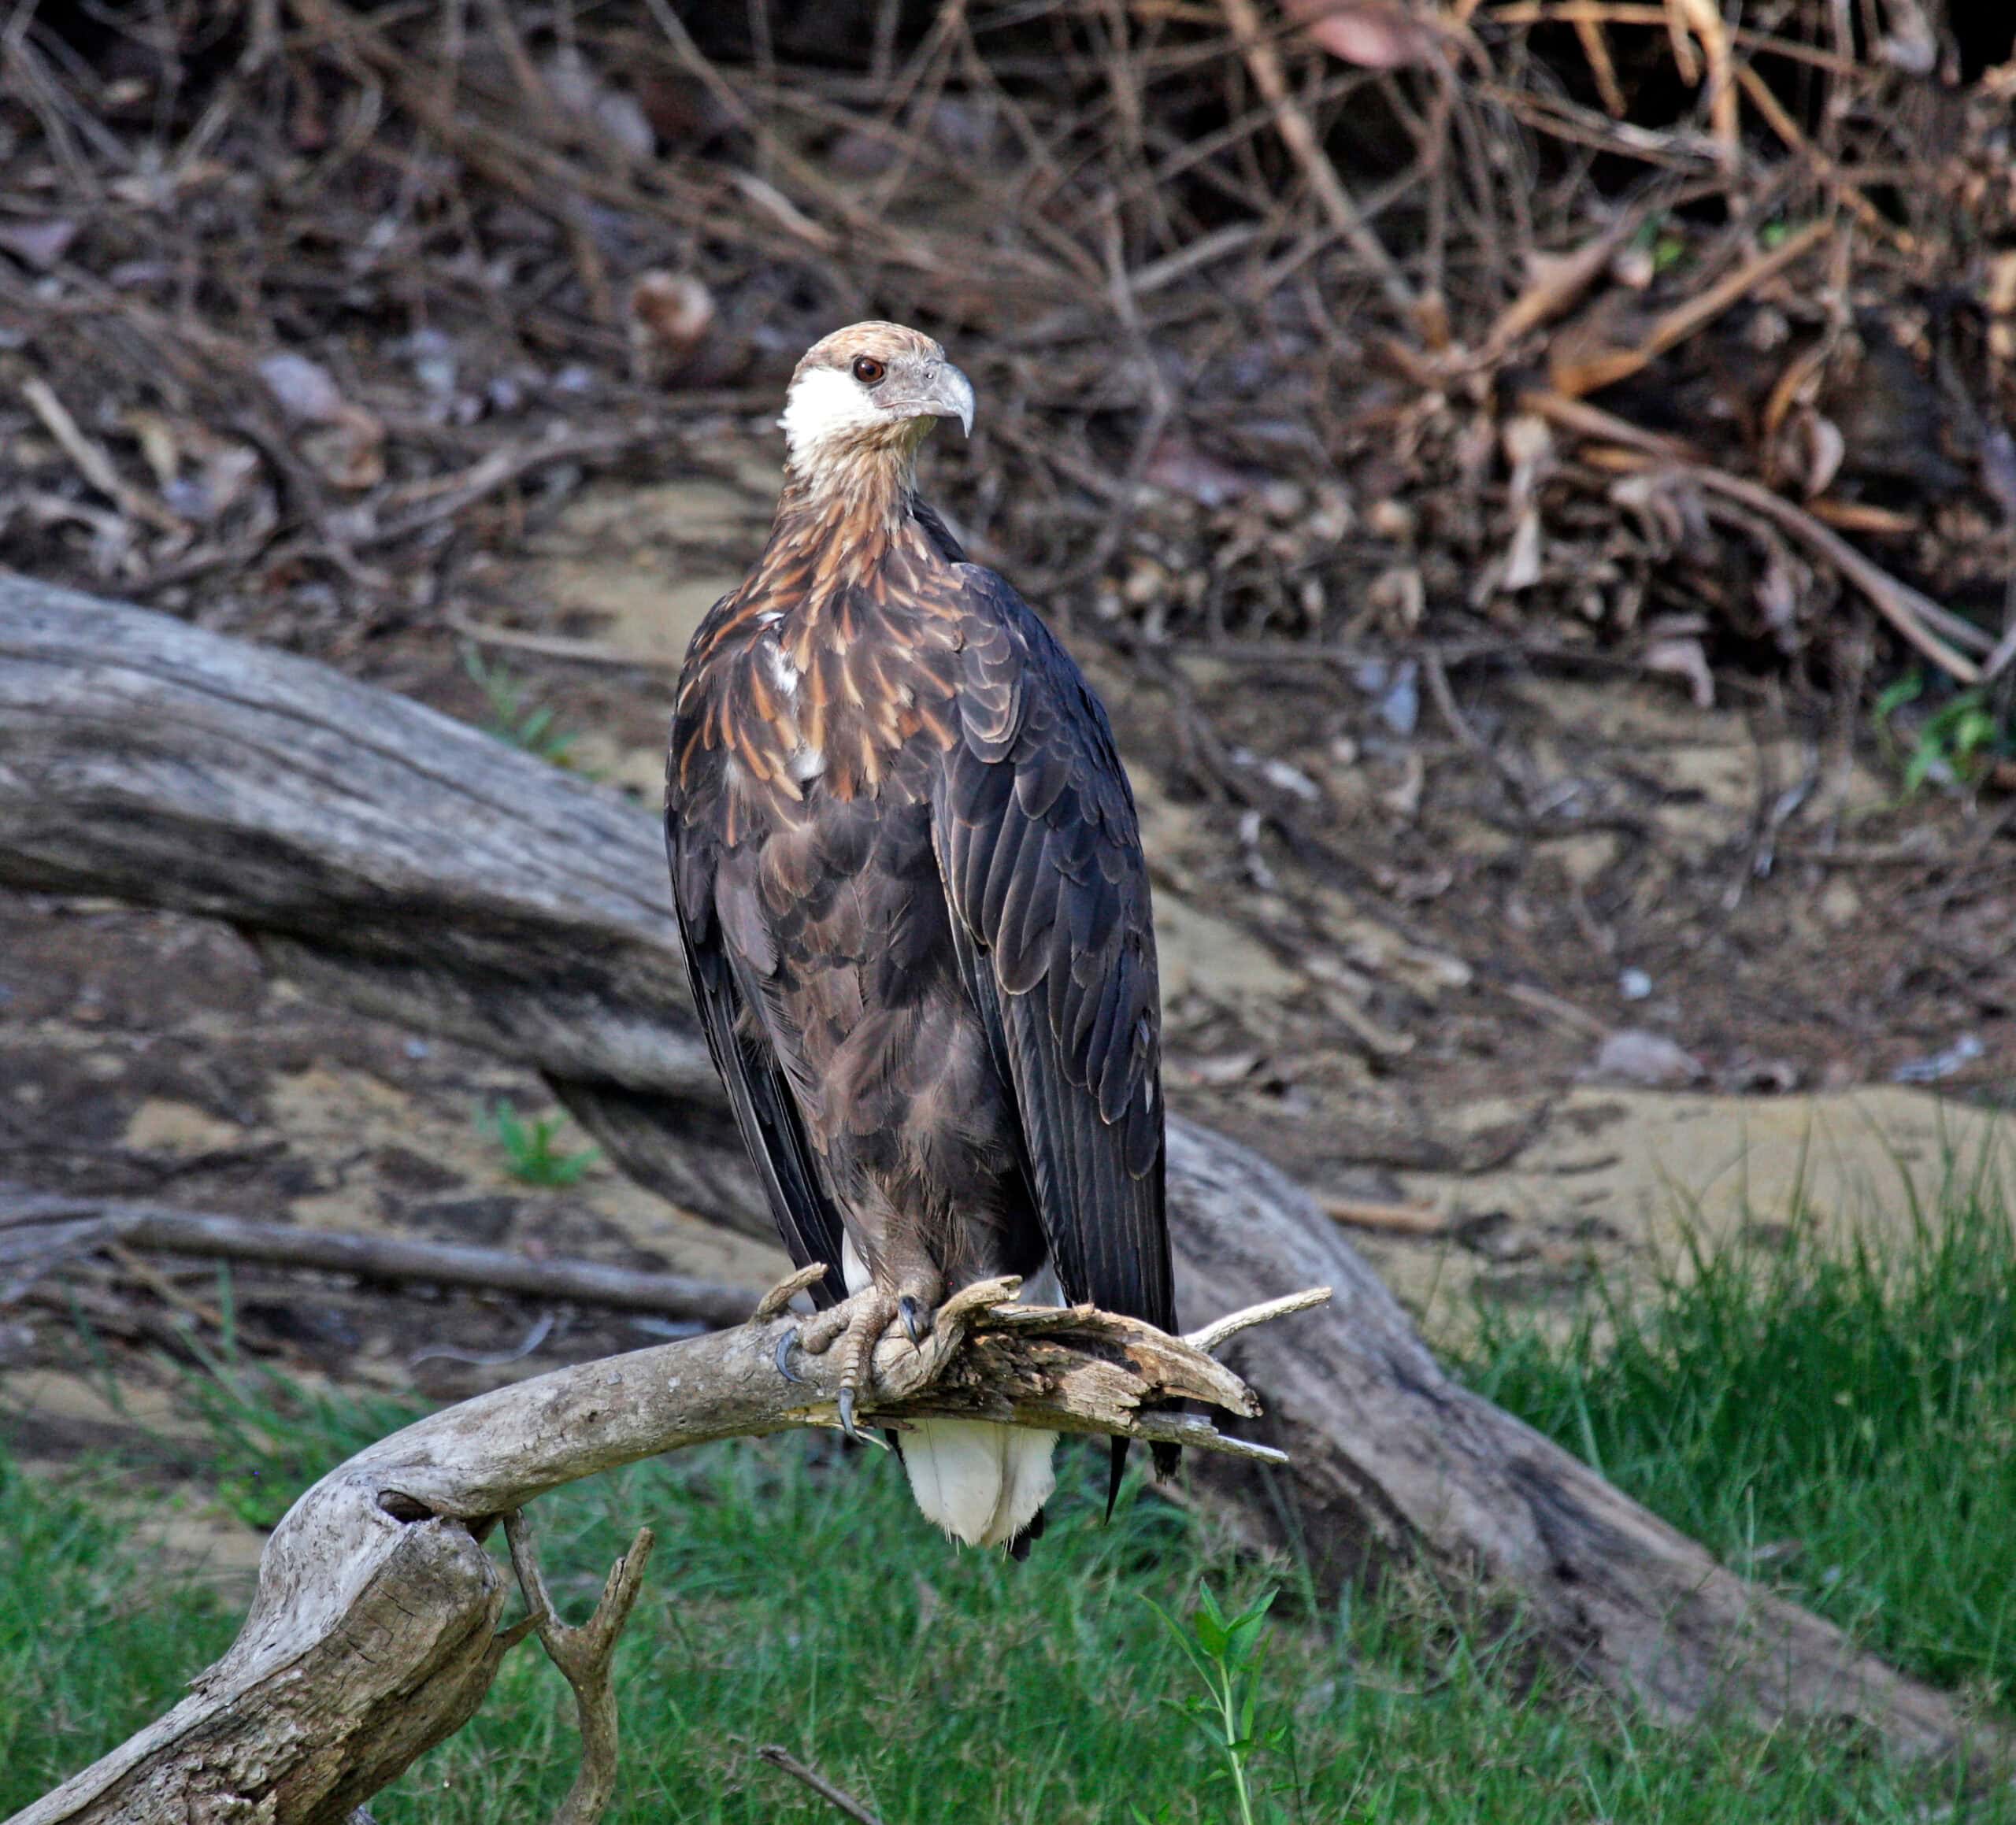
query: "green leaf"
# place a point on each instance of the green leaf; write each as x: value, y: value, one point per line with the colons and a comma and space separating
x: 1901, y: 691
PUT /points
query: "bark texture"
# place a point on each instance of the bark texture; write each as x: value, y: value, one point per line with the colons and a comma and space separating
x: 410, y: 865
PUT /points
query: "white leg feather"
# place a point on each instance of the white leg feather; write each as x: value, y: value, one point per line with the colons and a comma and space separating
x: 982, y: 1483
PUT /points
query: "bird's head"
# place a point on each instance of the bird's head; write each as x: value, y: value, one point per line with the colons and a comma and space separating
x: 869, y: 390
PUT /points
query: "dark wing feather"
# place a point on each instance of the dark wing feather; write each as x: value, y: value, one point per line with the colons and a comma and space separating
x: 1041, y: 856
x: 765, y: 1111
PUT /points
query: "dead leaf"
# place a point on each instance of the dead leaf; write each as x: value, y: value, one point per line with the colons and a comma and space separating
x: 1400, y: 597
x: 1216, y: 1072
x: 2001, y: 284
x: 304, y: 388
x: 1910, y: 45
x: 1778, y: 592
x: 1999, y: 470
x: 1522, y: 556
x: 351, y: 454
x: 1822, y: 447
x: 348, y: 444
x: 1685, y: 658
x: 1403, y: 798
x: 224, y: 472
x: 1285, y: 778
x: 670, y: 315
x: 1179, y: 467
x: 617, y: 116
x: 159, y: 444
x: 1375, y: 35
x: 1650, y: 1060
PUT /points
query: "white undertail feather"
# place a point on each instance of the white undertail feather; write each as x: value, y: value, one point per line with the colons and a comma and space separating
x: 981, y: 1482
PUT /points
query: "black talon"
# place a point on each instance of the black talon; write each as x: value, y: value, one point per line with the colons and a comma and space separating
x: 785, y: 1344
x: 917, y: 1321
x: 846, y: 1416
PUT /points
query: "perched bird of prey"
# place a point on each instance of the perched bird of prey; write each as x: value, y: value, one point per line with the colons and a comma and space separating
x: 910, y: 881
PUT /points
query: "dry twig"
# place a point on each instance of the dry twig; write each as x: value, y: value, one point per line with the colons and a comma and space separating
x: 39, y: 1230
x: 839, y: 1798
x: 586, y: 1657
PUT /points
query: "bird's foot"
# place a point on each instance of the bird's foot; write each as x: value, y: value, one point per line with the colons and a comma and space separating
x: 857, y: 1331
x: 815, y: 1337
x: 777, y: 1300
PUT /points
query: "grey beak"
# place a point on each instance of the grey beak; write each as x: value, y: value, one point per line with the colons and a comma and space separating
x: 951, y: 396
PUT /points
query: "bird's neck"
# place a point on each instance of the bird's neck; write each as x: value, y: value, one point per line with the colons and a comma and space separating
x: 843, y: 519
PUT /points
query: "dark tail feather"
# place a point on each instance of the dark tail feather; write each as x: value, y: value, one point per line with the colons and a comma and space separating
x: 1018, y: 1547
x: 1165, y: 1455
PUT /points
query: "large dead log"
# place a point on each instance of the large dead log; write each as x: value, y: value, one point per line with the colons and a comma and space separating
x: 415, y: 867
x: 374, y: 1634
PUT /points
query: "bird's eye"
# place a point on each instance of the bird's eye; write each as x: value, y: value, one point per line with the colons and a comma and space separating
x: 867, y: 370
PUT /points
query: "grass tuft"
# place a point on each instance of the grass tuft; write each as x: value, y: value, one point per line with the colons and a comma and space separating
x: 1840, y: 1423
x: 530, y: 1154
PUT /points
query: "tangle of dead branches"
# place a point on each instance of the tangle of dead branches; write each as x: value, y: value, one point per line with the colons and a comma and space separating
x: 1285, y: 314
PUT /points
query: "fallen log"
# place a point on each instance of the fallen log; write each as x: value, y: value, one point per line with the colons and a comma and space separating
x: 412, y: 866
x: 374, y: 1633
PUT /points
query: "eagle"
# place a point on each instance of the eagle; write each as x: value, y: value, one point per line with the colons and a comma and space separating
x: 909, y: 885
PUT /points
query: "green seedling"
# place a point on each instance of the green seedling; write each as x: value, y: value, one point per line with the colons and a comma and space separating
x: 530, y: 1154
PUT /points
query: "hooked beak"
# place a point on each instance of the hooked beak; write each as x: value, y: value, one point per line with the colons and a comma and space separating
x: 948, y: 394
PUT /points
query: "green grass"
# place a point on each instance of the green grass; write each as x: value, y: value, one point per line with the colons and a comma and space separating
x: 1841, y: 1424
x: 94, y: 1642
x: 1864, y: 1412
x: 511, y: 716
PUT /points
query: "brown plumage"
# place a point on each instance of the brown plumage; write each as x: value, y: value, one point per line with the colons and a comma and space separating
x: 910, y: 881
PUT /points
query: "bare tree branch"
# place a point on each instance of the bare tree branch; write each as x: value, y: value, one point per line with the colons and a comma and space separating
x: 586, y: 1657
x: 374, y: 1634
x: 38, y: 1229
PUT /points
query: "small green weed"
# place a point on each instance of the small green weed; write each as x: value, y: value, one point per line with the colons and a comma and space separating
x: 1954, y: 745
x: 1226, y: 1653
x: 531, y: 727
x: 530, y: 1156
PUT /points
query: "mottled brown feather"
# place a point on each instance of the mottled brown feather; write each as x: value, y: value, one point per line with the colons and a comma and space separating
x: 910, y: 881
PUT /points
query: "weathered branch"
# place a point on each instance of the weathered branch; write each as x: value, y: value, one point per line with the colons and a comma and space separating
x: 38, y: 1229
x: 374, y: 1634
x: 414, y: 867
